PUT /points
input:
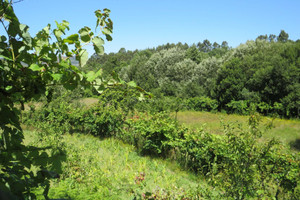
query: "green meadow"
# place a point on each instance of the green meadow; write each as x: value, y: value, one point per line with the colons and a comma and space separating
x: 286, y: 131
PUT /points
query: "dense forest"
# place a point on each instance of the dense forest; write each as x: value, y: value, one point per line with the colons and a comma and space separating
x: 263, y: 73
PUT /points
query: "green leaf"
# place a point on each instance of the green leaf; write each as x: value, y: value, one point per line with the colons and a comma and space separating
x: 25, y: 34
x: 106, y: 31
x: 85, y: 34
x: 108, y: 37
x: 7, y: 58
x: 98, y: 45
x: 83, y: 57
x: 58, y: 34
x: 3, y: 38
x: 47, y: 29
x: 8, y: 88
x: 35, y: 67
x: 72, y: 39
x: 90, y: 76
x: 57, y: 77
x: 100, y: 86
x: 64, y: 64
x: 131, y: 84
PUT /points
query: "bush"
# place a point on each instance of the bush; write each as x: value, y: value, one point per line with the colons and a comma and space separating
x: 240, y: 165
x: 239, y: 107
x: 68, y: 117
x: 153, y: 134
x: 201, y: 152
x: 98, y: 120
x: 201, y: 104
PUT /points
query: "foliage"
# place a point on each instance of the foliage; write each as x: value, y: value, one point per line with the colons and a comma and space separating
x: 241, y: 166
x: 153, y: 134
x: 27, y: 66
x: 174, y: 71
x: 201, y: 104
x: 239, y: 107
x: 65, y: 116
x: 262, y: 71
x: 237, y: 165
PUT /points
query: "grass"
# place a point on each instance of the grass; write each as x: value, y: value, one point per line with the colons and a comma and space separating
x: 108, y: 169
x: 287, y: 131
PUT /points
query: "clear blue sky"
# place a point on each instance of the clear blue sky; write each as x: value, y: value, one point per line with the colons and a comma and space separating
x: 139, y: 24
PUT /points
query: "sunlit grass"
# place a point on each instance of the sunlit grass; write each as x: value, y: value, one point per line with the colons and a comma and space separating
x: 287, y: 131
x: 107, y: 169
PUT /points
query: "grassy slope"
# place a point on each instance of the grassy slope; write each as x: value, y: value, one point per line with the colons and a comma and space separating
x: 107, y: 169
x: 288, y: 131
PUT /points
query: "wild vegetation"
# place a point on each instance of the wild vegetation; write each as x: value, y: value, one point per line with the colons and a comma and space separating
x: 129, y: 144
x: 240, y: 163
x: 262, y: 75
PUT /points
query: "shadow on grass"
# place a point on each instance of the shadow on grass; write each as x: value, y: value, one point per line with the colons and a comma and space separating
x: 295, y: 144
x: 56, y: 161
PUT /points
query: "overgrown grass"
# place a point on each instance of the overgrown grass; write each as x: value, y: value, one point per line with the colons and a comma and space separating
x: 109, y: 169
x: 287, y: 131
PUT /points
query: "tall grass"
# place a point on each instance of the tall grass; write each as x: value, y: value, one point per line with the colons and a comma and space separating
x: 109, y: 169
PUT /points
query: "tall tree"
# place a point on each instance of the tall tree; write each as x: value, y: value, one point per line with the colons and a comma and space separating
x: 283, y: 36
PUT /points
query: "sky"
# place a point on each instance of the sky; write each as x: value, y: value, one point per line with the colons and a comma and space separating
x: 141, y: 24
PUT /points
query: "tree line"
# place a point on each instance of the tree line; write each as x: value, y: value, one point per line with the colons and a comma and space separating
x: 262, y: 73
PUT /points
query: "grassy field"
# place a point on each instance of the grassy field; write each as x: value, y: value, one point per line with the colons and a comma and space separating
x: 287, y: 131
x: 109, y: 169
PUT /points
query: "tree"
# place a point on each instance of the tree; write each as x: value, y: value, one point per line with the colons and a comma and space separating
x: 194, y: 54
x: 224, y: 45
x: 262, y: 37
x: 216, y: 45
x: 230, y: 82
x: 272, y: 38
x: 206, y: 46
x: 283, y: 36
x: 28, y: 66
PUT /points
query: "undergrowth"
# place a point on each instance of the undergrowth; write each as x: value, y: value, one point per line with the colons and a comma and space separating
x: 235, y: 165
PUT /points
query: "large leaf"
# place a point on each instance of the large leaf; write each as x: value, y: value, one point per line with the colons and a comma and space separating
x: 106, y: 31
x: 83, y: 57
x: 91, y: 76
x: 25, y: 34
x: 72, y: 39
x: 57, y: 77
x: 98, y: 45
x: 35, y: 67
x: 85, y: 34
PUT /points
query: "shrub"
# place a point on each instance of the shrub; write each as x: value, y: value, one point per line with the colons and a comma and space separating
x: 238, y: 107
x: 99, y: 120
x: 66, y: 116
x: 153, y: 134
x: 201, y: 104
x: 201, y: 152
x: 240, y: 165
